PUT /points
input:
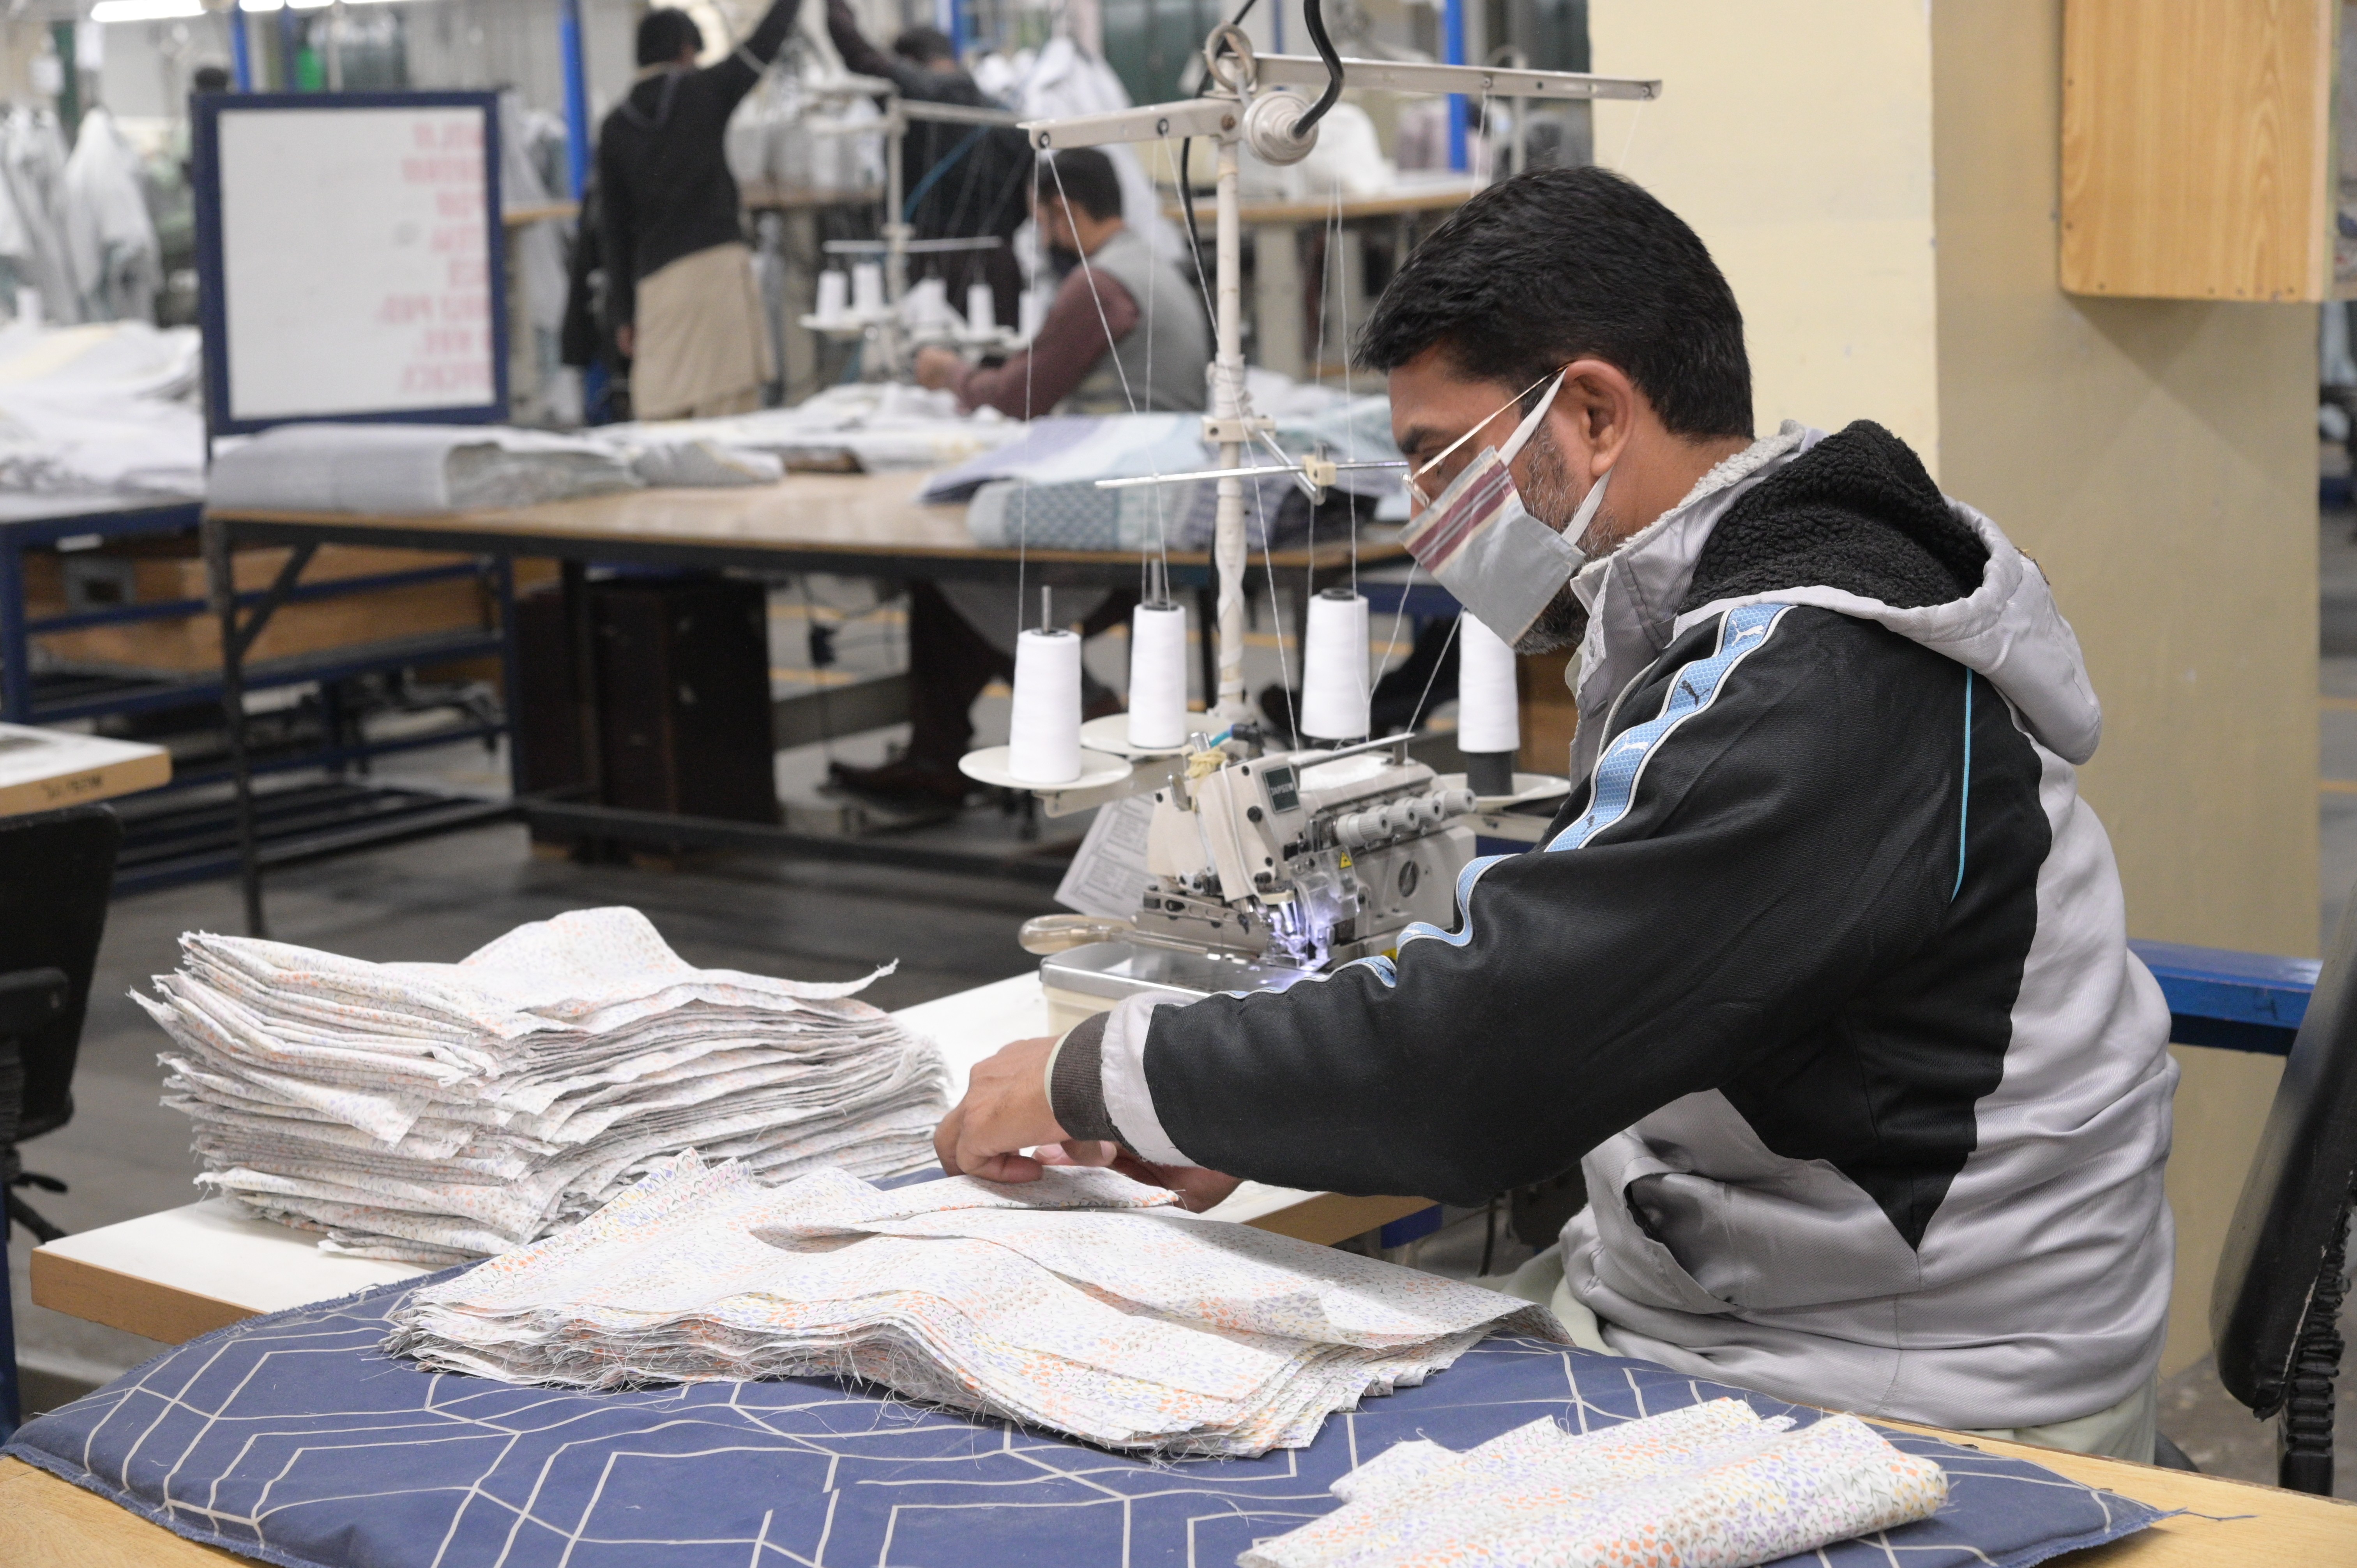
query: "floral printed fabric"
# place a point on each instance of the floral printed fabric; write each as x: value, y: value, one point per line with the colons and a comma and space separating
x: 1085, y: 1302
x: 1711, y: 1485
x: 436, y: 1113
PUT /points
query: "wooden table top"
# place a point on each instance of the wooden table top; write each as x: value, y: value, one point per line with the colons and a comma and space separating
x: 43, y: 769
x: 851, y: 515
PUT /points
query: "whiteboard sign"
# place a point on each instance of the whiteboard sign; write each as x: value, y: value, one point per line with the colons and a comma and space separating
x: 352, y: 257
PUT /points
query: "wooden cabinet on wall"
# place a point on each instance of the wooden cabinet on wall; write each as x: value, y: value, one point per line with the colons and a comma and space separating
x: 2202, y: 155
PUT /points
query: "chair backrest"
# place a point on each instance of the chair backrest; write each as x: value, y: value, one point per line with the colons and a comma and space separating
x: 2297, y: 1193
x: 56, y: 870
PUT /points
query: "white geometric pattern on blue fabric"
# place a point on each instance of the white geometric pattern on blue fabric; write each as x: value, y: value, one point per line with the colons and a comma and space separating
x: 290, y: 1438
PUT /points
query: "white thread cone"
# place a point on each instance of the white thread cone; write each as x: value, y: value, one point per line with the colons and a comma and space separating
x: 1334, y: 684
x: 1158, y: 677
x: 1044, y: 734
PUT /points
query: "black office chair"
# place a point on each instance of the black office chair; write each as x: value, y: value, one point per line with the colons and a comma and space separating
x: 56, y: 870
x: 2275, y: 1310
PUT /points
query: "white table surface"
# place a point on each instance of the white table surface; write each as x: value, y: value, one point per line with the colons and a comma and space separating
x: 215, y: 1251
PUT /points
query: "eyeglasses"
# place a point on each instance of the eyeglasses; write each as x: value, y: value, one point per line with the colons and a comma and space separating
x: 1416, y: 497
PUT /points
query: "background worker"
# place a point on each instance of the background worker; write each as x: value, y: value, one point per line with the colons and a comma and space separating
x: 1094, y: 352
x: 960, y: 182
x: 1126, y: 331
x: 681, y: 295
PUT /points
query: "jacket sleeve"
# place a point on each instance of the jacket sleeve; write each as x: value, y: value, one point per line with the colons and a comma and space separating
x: 737, y: 75
x: 1773, y: 821
x: 617, y: 237
x: 863, y: 59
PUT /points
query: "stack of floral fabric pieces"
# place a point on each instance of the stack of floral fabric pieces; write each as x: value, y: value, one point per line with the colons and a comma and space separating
x: 1085, y: 1302
x: 1710, y: 1486
x: 436, y: 1113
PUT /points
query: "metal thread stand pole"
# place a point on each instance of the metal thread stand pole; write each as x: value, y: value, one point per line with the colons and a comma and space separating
x: 221, y: 582
x: 15, y: 646
x: 1228, y: 544
x: 241, y: 51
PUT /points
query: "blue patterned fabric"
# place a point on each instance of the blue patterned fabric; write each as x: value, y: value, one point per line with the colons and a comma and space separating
x: 290, y: 1438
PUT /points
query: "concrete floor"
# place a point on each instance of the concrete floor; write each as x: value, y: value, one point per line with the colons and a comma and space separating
x: 124, y: 1155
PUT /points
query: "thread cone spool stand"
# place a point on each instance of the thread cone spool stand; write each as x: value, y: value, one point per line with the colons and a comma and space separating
x: 1335, y: 692
x: 1241, y: 84
x: 1488, y: 718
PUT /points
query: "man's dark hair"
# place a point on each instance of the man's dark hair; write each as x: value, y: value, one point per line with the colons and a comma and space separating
x: 1560, y: 264
x: 923, y: 46
x: 208, y: 79
x: 1087, y: 178
x: 665, y: 34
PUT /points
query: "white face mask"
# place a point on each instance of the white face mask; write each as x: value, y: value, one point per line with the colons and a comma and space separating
x: 1478, y: 543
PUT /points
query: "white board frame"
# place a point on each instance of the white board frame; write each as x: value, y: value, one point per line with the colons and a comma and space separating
x: 240, y: 245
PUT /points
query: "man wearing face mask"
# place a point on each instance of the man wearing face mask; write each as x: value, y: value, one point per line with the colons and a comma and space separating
x: 1821, y: 974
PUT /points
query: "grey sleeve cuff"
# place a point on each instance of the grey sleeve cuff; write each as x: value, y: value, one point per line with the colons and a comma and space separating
x: 1076, y: 1082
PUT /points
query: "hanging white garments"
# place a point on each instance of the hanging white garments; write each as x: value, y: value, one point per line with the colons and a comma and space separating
x: 111, y: 245
x: 33, y: 162
x: 437, y: 1112
x: 1085, y: 1302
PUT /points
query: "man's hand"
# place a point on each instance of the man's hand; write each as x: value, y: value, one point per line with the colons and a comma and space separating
x: 1004, y: 1113
x: 626, y: 339
x: 1197, y: 1188
x: 935, y: 367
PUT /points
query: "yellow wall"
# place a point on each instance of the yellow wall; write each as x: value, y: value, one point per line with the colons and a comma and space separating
x: 1809, y: 177
x: 1880, y: 179
x: 2158, y: 457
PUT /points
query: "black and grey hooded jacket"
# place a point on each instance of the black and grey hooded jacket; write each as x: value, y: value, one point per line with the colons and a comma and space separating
x: 1821, y: 974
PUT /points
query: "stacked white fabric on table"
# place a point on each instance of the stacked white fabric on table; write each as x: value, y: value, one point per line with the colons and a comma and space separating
x: 873, y: 427
x: 436, y: 1113
x: 408, y: 469
x: 1085, y: 1302
x: 1711, y: 1485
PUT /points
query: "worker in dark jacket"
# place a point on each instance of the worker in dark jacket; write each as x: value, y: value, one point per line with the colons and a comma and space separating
x: 1821, y: 974
x: 685, y: 305
x: 957, y: 182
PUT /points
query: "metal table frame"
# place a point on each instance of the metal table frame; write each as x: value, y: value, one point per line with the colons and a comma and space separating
x: 31, y: 524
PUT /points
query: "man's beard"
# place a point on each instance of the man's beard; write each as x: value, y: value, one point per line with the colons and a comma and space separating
x: 1563, y: 622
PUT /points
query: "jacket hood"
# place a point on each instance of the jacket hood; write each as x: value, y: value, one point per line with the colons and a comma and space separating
x: 1849, y: 522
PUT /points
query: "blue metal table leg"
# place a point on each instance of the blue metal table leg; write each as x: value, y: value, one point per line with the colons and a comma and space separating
x: 16, y: 652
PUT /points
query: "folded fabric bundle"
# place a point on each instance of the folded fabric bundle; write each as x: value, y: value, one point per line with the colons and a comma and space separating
x: 1710, y: 1486
x: 413, y: 468
x: 861, y: 426
x: 436, y: 1113
x: 1085, y: 1302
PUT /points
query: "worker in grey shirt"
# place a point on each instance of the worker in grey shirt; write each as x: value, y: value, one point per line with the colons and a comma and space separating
x: 1126, y: 332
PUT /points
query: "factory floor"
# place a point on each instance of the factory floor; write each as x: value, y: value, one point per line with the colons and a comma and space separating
x: 124, y: 1155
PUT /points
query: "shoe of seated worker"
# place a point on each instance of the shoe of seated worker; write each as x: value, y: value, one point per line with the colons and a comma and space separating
x: 904, y: 778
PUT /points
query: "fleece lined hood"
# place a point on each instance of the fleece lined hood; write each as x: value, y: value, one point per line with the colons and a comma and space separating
x: 1849, y: 522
